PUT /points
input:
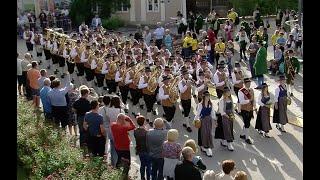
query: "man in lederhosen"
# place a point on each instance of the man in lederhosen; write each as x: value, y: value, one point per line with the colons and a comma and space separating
x: 61, y: 60
x: 185, y: 87
x: 98, y: 64
x: 220, y: 78
x: 148, y: 96
x: 46, y: 50
x: 201, y: 85
x: 76, y: 55
x: 54, y: 56
x: 237, y: 80
x: 69, y: 60
x: 133, y: 90
x: 120, y: 79
x: 168, y: 107
x: 110, y: 75
x: 86, y: 60
x: 248, y: 105
x: 38, y: 43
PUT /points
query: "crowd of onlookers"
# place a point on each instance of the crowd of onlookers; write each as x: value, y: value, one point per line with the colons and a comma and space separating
x: 46, y: 19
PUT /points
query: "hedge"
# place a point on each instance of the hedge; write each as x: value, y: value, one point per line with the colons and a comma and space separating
x: 44, y: 151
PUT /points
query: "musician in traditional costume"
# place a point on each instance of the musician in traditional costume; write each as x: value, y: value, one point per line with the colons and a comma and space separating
x: 281, y: 99
x: 98, y: 64
x: 207, y: 116
x: 76, y: 58
x: 86, y: 59
x: 248, y: 105
x: 38, y: 43
x: 185, y: 86
x: 220, y: 79
x: 224, y: 130
x: 292, y: 67
x: 47, y: 47
x: 69, y: 60
x: 110, y: 75
x: 133, y: 89
x: 265, y: 100
x: 168, y: 106
x: 55, y: 55
x: 148, y: 96
x: 237, y: 80
x: 201, y: 85
x: 120, y: 80
x: 28, y: 36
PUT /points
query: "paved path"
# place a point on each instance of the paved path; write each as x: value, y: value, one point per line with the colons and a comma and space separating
x: 277, y: 158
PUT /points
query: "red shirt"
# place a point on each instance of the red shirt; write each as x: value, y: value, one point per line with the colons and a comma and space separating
x: 121, y: 136
x: 211, y: 37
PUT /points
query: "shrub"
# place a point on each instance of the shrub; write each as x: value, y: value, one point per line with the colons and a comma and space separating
x: 43, y: 151
x: 112, y: 23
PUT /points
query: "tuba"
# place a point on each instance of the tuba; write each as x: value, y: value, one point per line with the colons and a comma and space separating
x: 173, y: 90
x: 153, y: 80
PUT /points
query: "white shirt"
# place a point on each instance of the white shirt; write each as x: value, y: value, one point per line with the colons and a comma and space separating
x: 182, y: 88
x: 19, y: 68
x: 73, y: 53
x: 216, y: 79
x: 159, y: 33
x: 128, y: 80
x: 113, y: 113
x: 117, y: 77
x: 162, y: 96
x: 26, y: 38
x: 242, y: 100
x: 65, y: 55
x: 201, y: 87
x: 142, y: 84
x: 234, y: 79
x: 104, y: 68
x: 199, y: 109
x: 222, y: 176
x: 83, y: 59
x: 221, y: 106
x: 94, y: 64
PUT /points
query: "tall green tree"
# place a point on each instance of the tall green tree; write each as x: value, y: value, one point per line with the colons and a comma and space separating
x: 83, y: 10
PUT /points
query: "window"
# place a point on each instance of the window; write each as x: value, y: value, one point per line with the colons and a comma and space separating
x: 123, y: 7
x: 153, y: 5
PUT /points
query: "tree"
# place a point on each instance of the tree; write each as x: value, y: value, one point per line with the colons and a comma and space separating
x: 82, y: 10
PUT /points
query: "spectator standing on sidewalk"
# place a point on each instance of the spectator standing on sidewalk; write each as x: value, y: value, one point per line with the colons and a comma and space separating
x: 33, y: 75
x: 253, y: 48
x: 260, y: 65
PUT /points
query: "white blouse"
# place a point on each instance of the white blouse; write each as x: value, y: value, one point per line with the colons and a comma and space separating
x: 199, y: 109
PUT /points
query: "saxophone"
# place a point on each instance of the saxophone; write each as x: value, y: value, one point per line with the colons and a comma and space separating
x: 173, y: 90
x: 153, y: 80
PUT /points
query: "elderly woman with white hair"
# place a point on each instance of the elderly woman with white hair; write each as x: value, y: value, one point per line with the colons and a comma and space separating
x: 171, y: 152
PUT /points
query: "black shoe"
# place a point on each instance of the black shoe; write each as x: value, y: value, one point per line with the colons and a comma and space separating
x: 243, y: 136
x: 95, y: 83
x: 184, y: 125
x: 277, y: 126
x: 105, y: 88
x: 189, y: 129
x: 237, y: 111
x: 151, y: 124
x: 154, y: 112
x: 291, y: 94
x: 118, y: 94
x: 48, y: 67
x: 222, y: 144
x: 134, y: 114
x: 55, y: 72
x: 72, y: 81
x: 62, y: 76
x: 267, y: 136
x: 158, y: 102
x: 126, y: 110
x: 40, y: 62
x: 195, y: 96
x: 141, y: 106
x: 248, y: 141
x: 147, y: 120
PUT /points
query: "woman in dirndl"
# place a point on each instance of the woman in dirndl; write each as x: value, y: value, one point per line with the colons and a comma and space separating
x: 224, y: 130
x: 280, y: 106
x: 265, y: 101
x: 207, y: 116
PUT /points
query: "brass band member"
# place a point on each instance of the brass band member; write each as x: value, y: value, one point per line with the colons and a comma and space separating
x: 133, y: 89
x: 28, y: 37
x: 110, y: 75
x: 224, y: 130
x: 99, y: 64
x: 185, y: 86
x: 38, y: 42
x: 280, y: 115
x: 220, y: 78
x: 47, y: 47
x: 55, y: 56
x: 292, y: 67
x: 265, y: 101
x: 168, y: 107
x: 120, y: 79
x: 61, y: 59
x: 76, y: 56
x: 237, y: 80
x: 201, y: 85
x: 86, y: 60
x: 148, y: 96
x: 68, y: 59
x: 207, y: 116
x: 247, y: 102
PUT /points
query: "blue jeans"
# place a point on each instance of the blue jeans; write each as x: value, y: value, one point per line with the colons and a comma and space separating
x: 252, y: 60
x: 260, y: 80
x: 145, y: 166
x: 113, y: 152
x: 157, y: 168
x: 80, y: 120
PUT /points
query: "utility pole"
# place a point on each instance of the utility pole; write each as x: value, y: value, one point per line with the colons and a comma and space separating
x: 300, y: 11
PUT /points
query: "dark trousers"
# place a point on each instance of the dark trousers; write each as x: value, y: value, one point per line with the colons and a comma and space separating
x: 186, y: 52
x: 159, y: 43
x: 211, y: 57
x: 219, y: 93
x: 135, y: 95
x: 100, y: 78
x: 157, y: 168
x: 252, y: 60
x: 191, y: 27
x: 112, y: 86
x: 124, y: 93
x: 145, y: 167
x: 47, y: 54
x: 124, y: 160
x: 29, y: 46
x: 80, y: 68
x: 96, y: 145
x: 60, y: 115
x: 70, y: 67
x: 169, y: 112
x: 186, y: 105
x: 243, y: 51
x: 246, y: 117
x: 236, y: 90
x: 82, y: 139
x: 89, y: 74
x: 149, y: 100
